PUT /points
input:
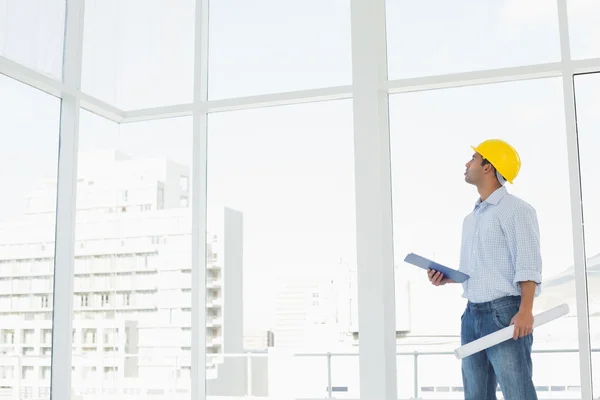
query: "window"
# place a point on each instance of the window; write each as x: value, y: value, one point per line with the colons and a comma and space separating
x: 7, y: 372
x: 27, y: 373
x: 160, y: 201
x: 31, y: 33
x: 7, y: 336
x: 122, y: 38
x: 184, y: 183
x: 283, y: 87
x: 431, y: 132
x: 584, y: 27
x: 259, y: 60
x: 262, y: 189
x: 46, y: 336
x: 44, y: 302
x: 184, y: 202
x: 84, y: 300
x: 315, y: 299
x: 435, y: 37
x: 89, y: 336
x: 160, y: 151
x: 587, y: 98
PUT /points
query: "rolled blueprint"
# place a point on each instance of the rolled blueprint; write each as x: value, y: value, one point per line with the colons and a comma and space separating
x: 507, y: 333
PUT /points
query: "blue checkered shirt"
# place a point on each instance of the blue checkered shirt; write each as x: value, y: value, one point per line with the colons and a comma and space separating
x: 500, y: 248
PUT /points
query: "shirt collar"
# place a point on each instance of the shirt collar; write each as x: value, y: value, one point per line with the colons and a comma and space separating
x: 493, y: 198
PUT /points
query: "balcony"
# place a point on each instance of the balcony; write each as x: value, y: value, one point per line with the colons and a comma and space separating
x: 214, y: 283
x: 277, y: 375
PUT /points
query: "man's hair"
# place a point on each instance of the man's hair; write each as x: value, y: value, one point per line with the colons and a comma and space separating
x: 486, y: 162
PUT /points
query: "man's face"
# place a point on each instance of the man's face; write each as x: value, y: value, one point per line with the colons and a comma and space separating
x: 474, y: 170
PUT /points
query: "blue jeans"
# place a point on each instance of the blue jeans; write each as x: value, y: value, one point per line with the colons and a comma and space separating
x: 508, y: 363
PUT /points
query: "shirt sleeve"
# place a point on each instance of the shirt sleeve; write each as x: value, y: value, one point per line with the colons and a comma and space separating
x: 523, y: 236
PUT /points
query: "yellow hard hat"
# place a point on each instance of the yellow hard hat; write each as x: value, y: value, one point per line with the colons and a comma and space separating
x: 502, y: 156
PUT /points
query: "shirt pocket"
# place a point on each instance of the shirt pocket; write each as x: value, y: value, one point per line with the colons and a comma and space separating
x: 490, y: 234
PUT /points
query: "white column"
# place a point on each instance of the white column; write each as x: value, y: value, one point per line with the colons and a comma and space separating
x: 62, y: 317
x: 583, y: 326
x: 198, y: 378
x: 376, y: 298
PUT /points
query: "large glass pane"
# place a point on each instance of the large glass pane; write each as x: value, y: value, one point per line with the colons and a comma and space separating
x: 132, y: 300
x: 587, y: 97
x: 278, y: 46
x: 29, y: 130
x: 435, y: 37
x: 282, y: 216
x: 431, y: 134
x: 32, y: 34
x: 139, y: 53
x: 584, y: 28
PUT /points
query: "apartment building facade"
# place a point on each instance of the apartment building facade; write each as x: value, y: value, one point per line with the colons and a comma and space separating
x: 132, y: 284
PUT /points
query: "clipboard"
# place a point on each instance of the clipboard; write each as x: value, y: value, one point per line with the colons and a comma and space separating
x: 424, y: 263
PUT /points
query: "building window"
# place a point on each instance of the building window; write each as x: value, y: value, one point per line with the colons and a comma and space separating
x: 315, y: 299
x: 45, y: 302
x: 84, y: 300
x: 160, y: 201
x: 184, y: 183
x: 105, y: 299
x: 7, y: 337
x: 183, y: 202
x: 89, y: 336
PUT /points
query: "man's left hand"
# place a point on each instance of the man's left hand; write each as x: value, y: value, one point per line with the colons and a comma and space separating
x: 523, y: 322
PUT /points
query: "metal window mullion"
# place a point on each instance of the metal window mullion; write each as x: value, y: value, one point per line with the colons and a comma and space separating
x: 375, y: 254
x: 31, y: 77
x: 585, y: 362
x: 462, y: 79
x: 199, y: 202
x: 583, y: 327
x: 62, y: 316
x: 510, y: 74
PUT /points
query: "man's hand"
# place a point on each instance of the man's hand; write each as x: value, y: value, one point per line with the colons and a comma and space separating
x: 523, y: 322
x: 437, y: 278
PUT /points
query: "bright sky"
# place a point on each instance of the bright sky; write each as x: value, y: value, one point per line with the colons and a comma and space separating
x: 290, y: 169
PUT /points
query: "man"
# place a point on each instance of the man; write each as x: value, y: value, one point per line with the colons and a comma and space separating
x: 501, y: 253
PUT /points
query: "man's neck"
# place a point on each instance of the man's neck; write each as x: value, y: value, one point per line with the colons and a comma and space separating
x: 486, y: 191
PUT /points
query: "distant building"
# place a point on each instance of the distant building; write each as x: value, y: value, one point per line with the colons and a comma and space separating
x: 313, y: 309
x: 403, y: 303
x: 132, y: 300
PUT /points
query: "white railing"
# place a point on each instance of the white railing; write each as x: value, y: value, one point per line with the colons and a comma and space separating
x: 113, y: 378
